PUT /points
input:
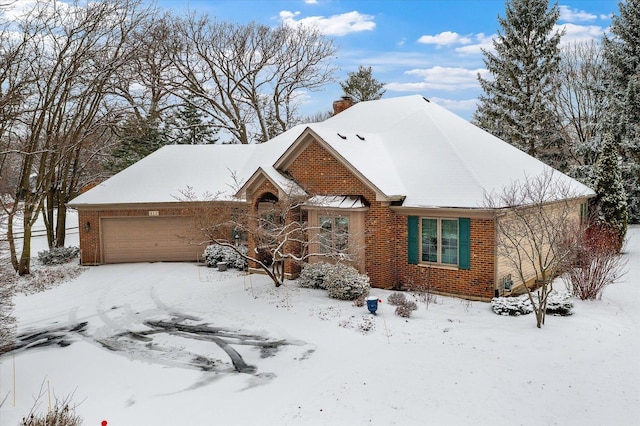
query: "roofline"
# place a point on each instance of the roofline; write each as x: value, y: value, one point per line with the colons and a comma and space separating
x: 150, y: 205
x: 472, y: 213
x: 302, y: 141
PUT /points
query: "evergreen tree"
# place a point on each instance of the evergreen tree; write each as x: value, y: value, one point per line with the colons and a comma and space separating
x: 190, y: 127
x: 611, y: 199
x: 517, y: 104
x: 622, y: 55
x: 136, y: 141
x: 361, y: 86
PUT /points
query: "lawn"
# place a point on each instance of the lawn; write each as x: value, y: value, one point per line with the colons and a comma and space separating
x: 154, y: 344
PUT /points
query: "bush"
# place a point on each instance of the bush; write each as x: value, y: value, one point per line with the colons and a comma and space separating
x: 58, y: 255
x: 513, y: 306
x: 397, y: 299
x: 341, y: 281
x: 216, y: 253
x: 596, y: 263
x: 58, y: 415
x: 346, y: 283
x: 313, y: 275
x: 557, y: 304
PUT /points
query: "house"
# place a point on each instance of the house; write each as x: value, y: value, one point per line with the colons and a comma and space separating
x: 406, y: 177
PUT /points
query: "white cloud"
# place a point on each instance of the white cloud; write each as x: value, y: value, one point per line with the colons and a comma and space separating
x: 445, y: 38
x: 574, y: 15
x: 578, y: 33
x: 462, y: 105
x: 311, y: 1
x: 439, y: 78
x: 482, y: 42
x: 336, y: 25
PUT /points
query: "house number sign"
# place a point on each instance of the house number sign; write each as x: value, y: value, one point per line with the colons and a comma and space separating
x: 154, y: 213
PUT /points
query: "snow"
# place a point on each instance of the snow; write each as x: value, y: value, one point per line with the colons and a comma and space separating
x: 453, y: 362
x: 401, y: 147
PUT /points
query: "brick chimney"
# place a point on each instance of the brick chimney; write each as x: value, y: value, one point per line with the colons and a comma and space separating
x: 342, y: 104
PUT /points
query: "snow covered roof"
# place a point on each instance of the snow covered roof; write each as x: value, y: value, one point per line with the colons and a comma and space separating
x: 335, y: 202
x: 406, y: 148
x: 411, y: 147
x: 205, y: 170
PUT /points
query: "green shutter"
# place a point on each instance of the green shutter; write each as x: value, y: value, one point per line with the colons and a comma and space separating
x: 464, y: 250
x: 412, y: 240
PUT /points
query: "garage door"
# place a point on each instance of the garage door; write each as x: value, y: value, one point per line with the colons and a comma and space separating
x: 149, y: 239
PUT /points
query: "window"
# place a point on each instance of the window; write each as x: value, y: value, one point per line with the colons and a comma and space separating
x: 440, y: 241
x: 334, y: 234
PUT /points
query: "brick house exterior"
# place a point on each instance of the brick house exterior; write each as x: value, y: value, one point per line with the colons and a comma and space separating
x: 414, y: 173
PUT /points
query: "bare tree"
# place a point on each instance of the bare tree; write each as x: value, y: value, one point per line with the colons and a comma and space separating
x: 580, y: 104
x: 72, y: 54
x: 536, y: 229
x: 248, y: 75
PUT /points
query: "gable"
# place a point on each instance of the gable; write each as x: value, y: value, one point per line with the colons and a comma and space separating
x: 319, y: 171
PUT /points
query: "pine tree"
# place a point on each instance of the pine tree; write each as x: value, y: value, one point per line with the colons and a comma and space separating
x: 361, y: 86
x: 622, y: 55
x: 136, y: 141
x: 190, y: 127
x: 517, y: 102
x: 611, y: 200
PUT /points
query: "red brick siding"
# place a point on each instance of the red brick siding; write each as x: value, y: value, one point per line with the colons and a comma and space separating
x: 320, y: 173
x: 477, y: 281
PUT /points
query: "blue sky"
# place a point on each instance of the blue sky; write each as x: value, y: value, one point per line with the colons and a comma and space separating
x: 429, y: 47
x: 426, y: 47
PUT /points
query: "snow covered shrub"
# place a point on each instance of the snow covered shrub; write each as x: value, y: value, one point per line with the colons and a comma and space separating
x: 512, y: 306
x: 216, y: 253
x: 397, y: 299
x: 360, y: 301
x: 558, y: 303
x: 313, y: 275
x: 346, y: 283
x: 405, y: 308
x: 58, y: 255
x: 7, y: 321
x: 58, y: 415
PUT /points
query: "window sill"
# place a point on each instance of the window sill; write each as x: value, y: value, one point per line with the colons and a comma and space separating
x: 438, y: 266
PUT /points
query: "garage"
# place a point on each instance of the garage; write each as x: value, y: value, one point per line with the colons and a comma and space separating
x: 149, y: 239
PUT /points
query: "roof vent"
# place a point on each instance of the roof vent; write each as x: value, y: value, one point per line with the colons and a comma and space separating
x: 360, y: 137
x: 341, y: 136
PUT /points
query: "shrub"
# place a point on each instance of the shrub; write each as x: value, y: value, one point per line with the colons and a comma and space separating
x: 557, y: 304
x: 397, y: 299
x: 58, y: 255
x: 404, y: 307
x: 513, y: 306
x: 313, y: 275
x: 595, y: 264
x: 346, y: 283
x: 216, y: 253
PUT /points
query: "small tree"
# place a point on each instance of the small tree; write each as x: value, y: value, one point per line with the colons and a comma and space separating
x: 611, y: 200
x: 537, y: 221
x: 361, y: 86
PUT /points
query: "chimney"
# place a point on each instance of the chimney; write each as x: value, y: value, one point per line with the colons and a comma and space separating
x: 342, y: 104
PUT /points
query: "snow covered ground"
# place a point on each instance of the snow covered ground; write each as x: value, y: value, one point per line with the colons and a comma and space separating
x: 316, y: 361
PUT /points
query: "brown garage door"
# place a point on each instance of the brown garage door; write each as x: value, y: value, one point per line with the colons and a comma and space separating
x: 149, y: 239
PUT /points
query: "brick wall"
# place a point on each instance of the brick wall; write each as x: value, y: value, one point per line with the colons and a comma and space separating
x: 386, y: 249
x: 476, y: 282
x: 320, y: 173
